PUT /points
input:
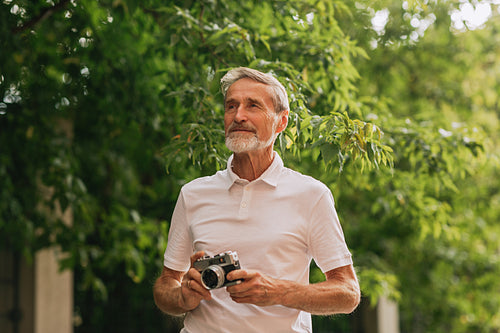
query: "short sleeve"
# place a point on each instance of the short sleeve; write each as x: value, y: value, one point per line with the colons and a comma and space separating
x: 326, y: 238
x: 179, y: 245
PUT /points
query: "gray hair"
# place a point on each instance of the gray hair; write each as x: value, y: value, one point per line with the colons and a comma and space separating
x: 280, y: 97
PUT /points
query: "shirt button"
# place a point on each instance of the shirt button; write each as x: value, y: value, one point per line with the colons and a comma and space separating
x: 243, y: 204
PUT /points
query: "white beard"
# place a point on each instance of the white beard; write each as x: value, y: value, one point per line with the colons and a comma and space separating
x: 240, y: 143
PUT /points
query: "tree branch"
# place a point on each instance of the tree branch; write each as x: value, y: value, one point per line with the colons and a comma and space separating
x: 46, y: 13
x: 200, y: 20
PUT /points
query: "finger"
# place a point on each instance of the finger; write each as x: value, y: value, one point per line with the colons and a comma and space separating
x: 241, y: 274
x: 257, y: 296
x: 247, y: 290
x: 190, y: 298
x: 195, y: 287
x: 194, y: 275
x: 197, y: 256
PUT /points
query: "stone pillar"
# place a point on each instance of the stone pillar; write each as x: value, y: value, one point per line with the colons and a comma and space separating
x: 387, y: 316
x: 382, y: 318
x: 53, y: 295
x: 53, y: 289
x: 34, y: 296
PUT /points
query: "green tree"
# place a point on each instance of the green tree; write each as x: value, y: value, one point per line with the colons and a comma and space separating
x: 433, y: 219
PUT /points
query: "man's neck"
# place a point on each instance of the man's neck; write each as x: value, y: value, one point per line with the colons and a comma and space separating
x: 252, y: 164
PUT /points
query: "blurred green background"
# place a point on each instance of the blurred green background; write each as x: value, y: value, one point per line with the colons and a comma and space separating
x: 114, y: 104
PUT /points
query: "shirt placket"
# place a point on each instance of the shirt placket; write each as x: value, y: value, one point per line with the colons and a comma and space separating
x: 245, y: 202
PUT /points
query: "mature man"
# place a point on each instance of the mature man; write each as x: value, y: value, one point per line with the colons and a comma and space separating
x: 276, y: 219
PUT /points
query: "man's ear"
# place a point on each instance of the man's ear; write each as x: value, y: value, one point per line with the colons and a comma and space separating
x: 283, y: 121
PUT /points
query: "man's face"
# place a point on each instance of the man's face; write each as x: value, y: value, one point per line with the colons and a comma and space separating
x: 250, y: 121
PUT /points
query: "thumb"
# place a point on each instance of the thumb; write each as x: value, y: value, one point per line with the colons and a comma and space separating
x: 197, y: 256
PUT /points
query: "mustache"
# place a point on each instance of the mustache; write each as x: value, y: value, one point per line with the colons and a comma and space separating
x: 240, y: 127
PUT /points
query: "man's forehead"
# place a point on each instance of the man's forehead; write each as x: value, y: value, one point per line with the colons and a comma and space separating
x: 248, y: 88
x: 257, y: 99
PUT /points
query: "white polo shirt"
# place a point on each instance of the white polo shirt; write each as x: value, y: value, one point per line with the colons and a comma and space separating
x: 277, y: 224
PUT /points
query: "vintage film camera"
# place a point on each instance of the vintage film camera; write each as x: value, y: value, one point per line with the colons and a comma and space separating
x: 214, y: 269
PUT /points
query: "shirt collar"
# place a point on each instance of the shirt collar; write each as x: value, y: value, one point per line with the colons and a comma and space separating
x: 270, y: 176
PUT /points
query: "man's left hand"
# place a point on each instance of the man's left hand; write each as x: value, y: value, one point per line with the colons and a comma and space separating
x: 256, y: 288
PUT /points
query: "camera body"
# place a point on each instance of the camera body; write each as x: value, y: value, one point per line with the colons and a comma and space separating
x: 214, y: 269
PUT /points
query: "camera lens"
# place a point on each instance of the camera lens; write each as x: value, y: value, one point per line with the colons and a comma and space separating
x: 213, y: 277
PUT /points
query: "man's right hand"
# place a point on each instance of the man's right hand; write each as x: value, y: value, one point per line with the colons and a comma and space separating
x: 177, y: 292
x: 191, y: 287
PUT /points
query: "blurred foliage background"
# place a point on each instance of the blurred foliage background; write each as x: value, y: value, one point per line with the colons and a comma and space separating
x: 114, y: 105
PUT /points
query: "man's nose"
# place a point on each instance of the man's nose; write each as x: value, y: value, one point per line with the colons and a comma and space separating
x: 241, y: 114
